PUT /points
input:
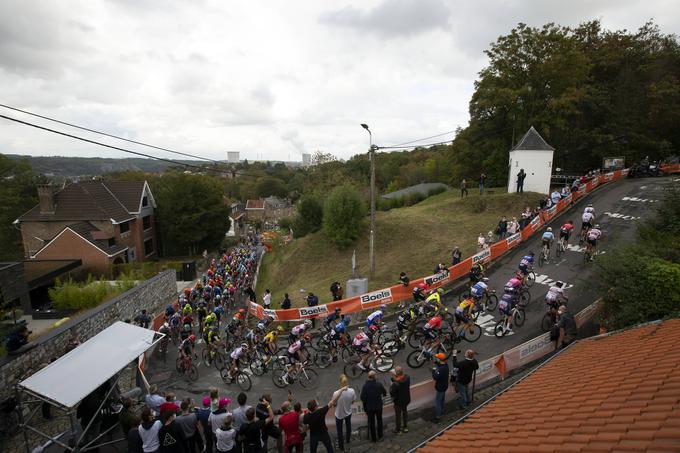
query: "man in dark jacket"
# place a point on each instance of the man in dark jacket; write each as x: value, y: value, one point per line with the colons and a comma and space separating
x: 400, y: 391
x: 520, y: 181
x: 440, y: 374
x: 312, y: 301
x: 371, y: 397
x: 464, y: 370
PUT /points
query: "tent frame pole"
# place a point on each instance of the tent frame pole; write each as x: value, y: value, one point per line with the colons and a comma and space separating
x: 99, y: 408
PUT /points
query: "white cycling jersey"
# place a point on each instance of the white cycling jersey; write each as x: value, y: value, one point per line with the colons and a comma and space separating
x: 236, y: 353
x: 589, y: 209
x: 299, y: 329
x: 594, y: 234
x: 554, y: 293
x: 587, y: 217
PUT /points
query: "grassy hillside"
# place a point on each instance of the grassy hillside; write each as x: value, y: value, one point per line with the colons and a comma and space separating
x: 411, y: 240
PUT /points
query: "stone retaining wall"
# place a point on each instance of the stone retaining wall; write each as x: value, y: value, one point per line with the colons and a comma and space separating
x: 153, y: 295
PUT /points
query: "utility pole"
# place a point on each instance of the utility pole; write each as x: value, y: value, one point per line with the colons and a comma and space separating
x: 371, y: 237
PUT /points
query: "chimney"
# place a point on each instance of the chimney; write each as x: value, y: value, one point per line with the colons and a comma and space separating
x: 46, y: 198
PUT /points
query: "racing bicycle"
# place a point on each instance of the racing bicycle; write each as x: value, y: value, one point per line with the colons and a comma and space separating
x: 518, y: 317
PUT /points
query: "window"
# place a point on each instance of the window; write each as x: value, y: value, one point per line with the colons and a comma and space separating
x: 112, y: 242
x: 146, y: 221
x: 124, y: 227
x: 145, y: 201
x: 148, y: 247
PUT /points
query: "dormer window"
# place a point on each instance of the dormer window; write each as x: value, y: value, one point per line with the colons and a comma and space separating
x: 145, y: 201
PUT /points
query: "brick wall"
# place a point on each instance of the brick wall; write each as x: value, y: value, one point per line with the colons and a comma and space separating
x: 153, y: 295
x: 71, y: 246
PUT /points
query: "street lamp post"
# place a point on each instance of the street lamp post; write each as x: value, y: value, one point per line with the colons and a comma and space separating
x: 371, y: 237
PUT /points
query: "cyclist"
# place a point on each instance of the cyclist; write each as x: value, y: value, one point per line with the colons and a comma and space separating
x: 433, y: 301
x: 218, y: 311
x: 404, y: 321
x: 210, y: 321
x: 235, y: 355
x: 297, y: 331
x: 565, y: 232
x: 476, y: 273
x: 201, y: 313
x: 432, y: 329
x: 463, y: 312
x: 555, y: 297
x: 590, y: 209
x: 169, y: 311
x: 375, y: 318
x: 327, y: 323
x: 187, y: 326
x: 186, y: 347
x: 187, y: 310
x: 526, y: 265
x: 593, y: 235
x: 505, y: 305
x: 362, y: 345
x: 419, y: 292
x: 295, y: 358
x: 587, y: 220
x: 547, y: 240
x: 513, y: 286
x: 478, y: 291
x: 212, y: 340
x: 269, y: 343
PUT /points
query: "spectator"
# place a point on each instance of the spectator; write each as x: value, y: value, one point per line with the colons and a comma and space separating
x: 567, y: 325
x: 403, y: 278
x: 312, y: 301
x: 191, y: 427
x: 526, y: 218
x: 148, y: 431
x: 170, y: 403
x: 251, y: 294
x: 291, y: 424
x: 440, y: 374
x: 502, y: 228
x: 463, y: 372
x: 372, y: 398
x: 400, y: 391
x: 214, y: 399
x: 343, y: 412
x: 285, y: 305
x: 535, y: 213
x: 134, y: 440
x: 216, y: 418
x: 565, y: 191
x: 171, y: 437
x: 489, y: 239
x: 154, y: 400
x: 481, y: 241
x: 203, y: 415
x: 126, y: 415
x: 543, y: 203
x: 253, y: 430
x: 17, y: 339
x: 226, y: 436
x: 239, y: 417
x: 576, y: 184
x: 456, y: 256
x: 463, y: 188
x: 143, y: 319
x: 520, y: 180
x: 271, y: 430
x: 555, y: 196
x: 315, y: 419
x: 267, y: 299
x: 513, y: 226
x: 482, y: 182
x: 336, y: 291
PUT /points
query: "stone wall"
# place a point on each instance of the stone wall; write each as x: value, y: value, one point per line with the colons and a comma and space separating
x: 152, y: 295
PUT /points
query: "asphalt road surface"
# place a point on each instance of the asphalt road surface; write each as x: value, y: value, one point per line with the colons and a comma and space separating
x: 618, y: 207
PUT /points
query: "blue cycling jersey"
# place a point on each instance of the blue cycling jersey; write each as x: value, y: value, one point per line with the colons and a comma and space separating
x: 527, y: 260
x: 341, y: 327
x: 548, y: 235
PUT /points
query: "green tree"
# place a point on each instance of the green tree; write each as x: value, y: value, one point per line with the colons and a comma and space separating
x: 191, y: 214
x: 268, y: 185
x: 309, y: 216
x: 343, y: 215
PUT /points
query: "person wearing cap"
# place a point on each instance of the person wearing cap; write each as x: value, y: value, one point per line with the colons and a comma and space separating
x: 216, y: 418
x: 464, y: 370
x: 203, y: 414
x: 440, y: 374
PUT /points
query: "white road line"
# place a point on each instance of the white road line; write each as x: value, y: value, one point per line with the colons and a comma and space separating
x: 636, y: 199
x: 616, y: 215
x: 547, y: 281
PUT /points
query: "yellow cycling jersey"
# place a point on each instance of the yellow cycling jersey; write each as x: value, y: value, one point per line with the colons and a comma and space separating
x: 212, y: 336
x: 434, y: 298
x: 467, y: 304
x: 270, y: 338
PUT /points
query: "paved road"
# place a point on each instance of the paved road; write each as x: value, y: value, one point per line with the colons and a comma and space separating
x: 618, y: 208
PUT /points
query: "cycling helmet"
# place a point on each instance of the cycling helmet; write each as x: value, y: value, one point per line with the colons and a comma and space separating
x: 260, y: 325
x: 192, y: 338
x: 307, y: 337
x: 244, y: 345
x: 338, y: 310
x: 279, y: 329
x: 597, y: 226
x: 383, y: 307
x: 590, y: 205
x: 549, y: 229
x: 166, y: 325
x: 242, y: 310
x: 423, y: 286
x: 238, y: 316
x: 308, y: 322
x: 559, y: 284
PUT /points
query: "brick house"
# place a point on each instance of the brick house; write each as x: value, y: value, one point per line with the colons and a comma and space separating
x: 254, y: 210
x: 98, y: 222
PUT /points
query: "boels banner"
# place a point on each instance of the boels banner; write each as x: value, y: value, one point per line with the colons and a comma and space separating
x: 400, y: 293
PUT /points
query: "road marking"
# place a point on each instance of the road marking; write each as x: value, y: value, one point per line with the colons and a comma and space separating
x: 643, y: 187
x: 636, y: 199
x: 616, y: 215
x: 545, y: 280
x: 487, y: 322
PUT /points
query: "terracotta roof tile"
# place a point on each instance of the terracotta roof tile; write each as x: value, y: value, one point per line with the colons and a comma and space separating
x: 609, y: 402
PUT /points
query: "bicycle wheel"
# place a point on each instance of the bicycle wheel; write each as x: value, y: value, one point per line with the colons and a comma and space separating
x: 224, y: 374
x: 218, y: 361
x: 541, y: 259
x: 322, y: 359
x: 309, y: 379
x: 499, y: 329
x: 243, y: 381
x: 518, y: 317
x: 472, y: 333
x: 390, y: 348
x: 546, y: 322
x: 559, y: 249
x: 382, y: 363
x: 277, y: 378
x: 192, y: 373
x: 415, y: 338
x: 416, y: 359
x: 258, y: 367
x: 531, y: 278
x: 205, y: 356
x: 524, y: 297
x: 178, y: 364
x: 347, y: 354
x: 491, y: 302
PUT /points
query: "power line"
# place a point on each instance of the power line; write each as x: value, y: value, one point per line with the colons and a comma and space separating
x: 398, y: 145
x: 107, y: 134
x: 94, y: 142
x: 424, y: 145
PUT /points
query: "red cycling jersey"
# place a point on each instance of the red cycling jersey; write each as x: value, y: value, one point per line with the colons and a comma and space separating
x: 567, y: 227
x: 434, y: 323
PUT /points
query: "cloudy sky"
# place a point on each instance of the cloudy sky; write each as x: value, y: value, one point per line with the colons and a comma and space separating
x: 269, y: 79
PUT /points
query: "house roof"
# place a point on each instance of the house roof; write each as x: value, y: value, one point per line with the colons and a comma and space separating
x: 532, y: 141
x: 255, y: 204
x: 92, y: 200
x: 609, y: 393
x: 276, y: 202
x: 85, y: 230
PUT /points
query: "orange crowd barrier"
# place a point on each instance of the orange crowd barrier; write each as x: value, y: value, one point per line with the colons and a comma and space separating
x: 670, y: 168
x: 400, y: 293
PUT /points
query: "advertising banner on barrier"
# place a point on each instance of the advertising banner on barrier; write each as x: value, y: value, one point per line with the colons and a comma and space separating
x: 399, y: 292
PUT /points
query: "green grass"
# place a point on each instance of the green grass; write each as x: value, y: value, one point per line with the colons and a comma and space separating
x: 411, y: 239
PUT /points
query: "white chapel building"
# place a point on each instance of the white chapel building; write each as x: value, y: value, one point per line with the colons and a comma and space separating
x: 535, y: 156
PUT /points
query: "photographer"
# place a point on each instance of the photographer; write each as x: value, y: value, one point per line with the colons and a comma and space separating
x: 17, y: 340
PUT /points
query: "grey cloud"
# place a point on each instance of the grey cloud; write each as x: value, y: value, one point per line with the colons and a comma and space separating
x: 393, y: 17
x: 293, y: 137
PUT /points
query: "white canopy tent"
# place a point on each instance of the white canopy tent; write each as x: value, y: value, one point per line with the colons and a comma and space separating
x: 74, y: 376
